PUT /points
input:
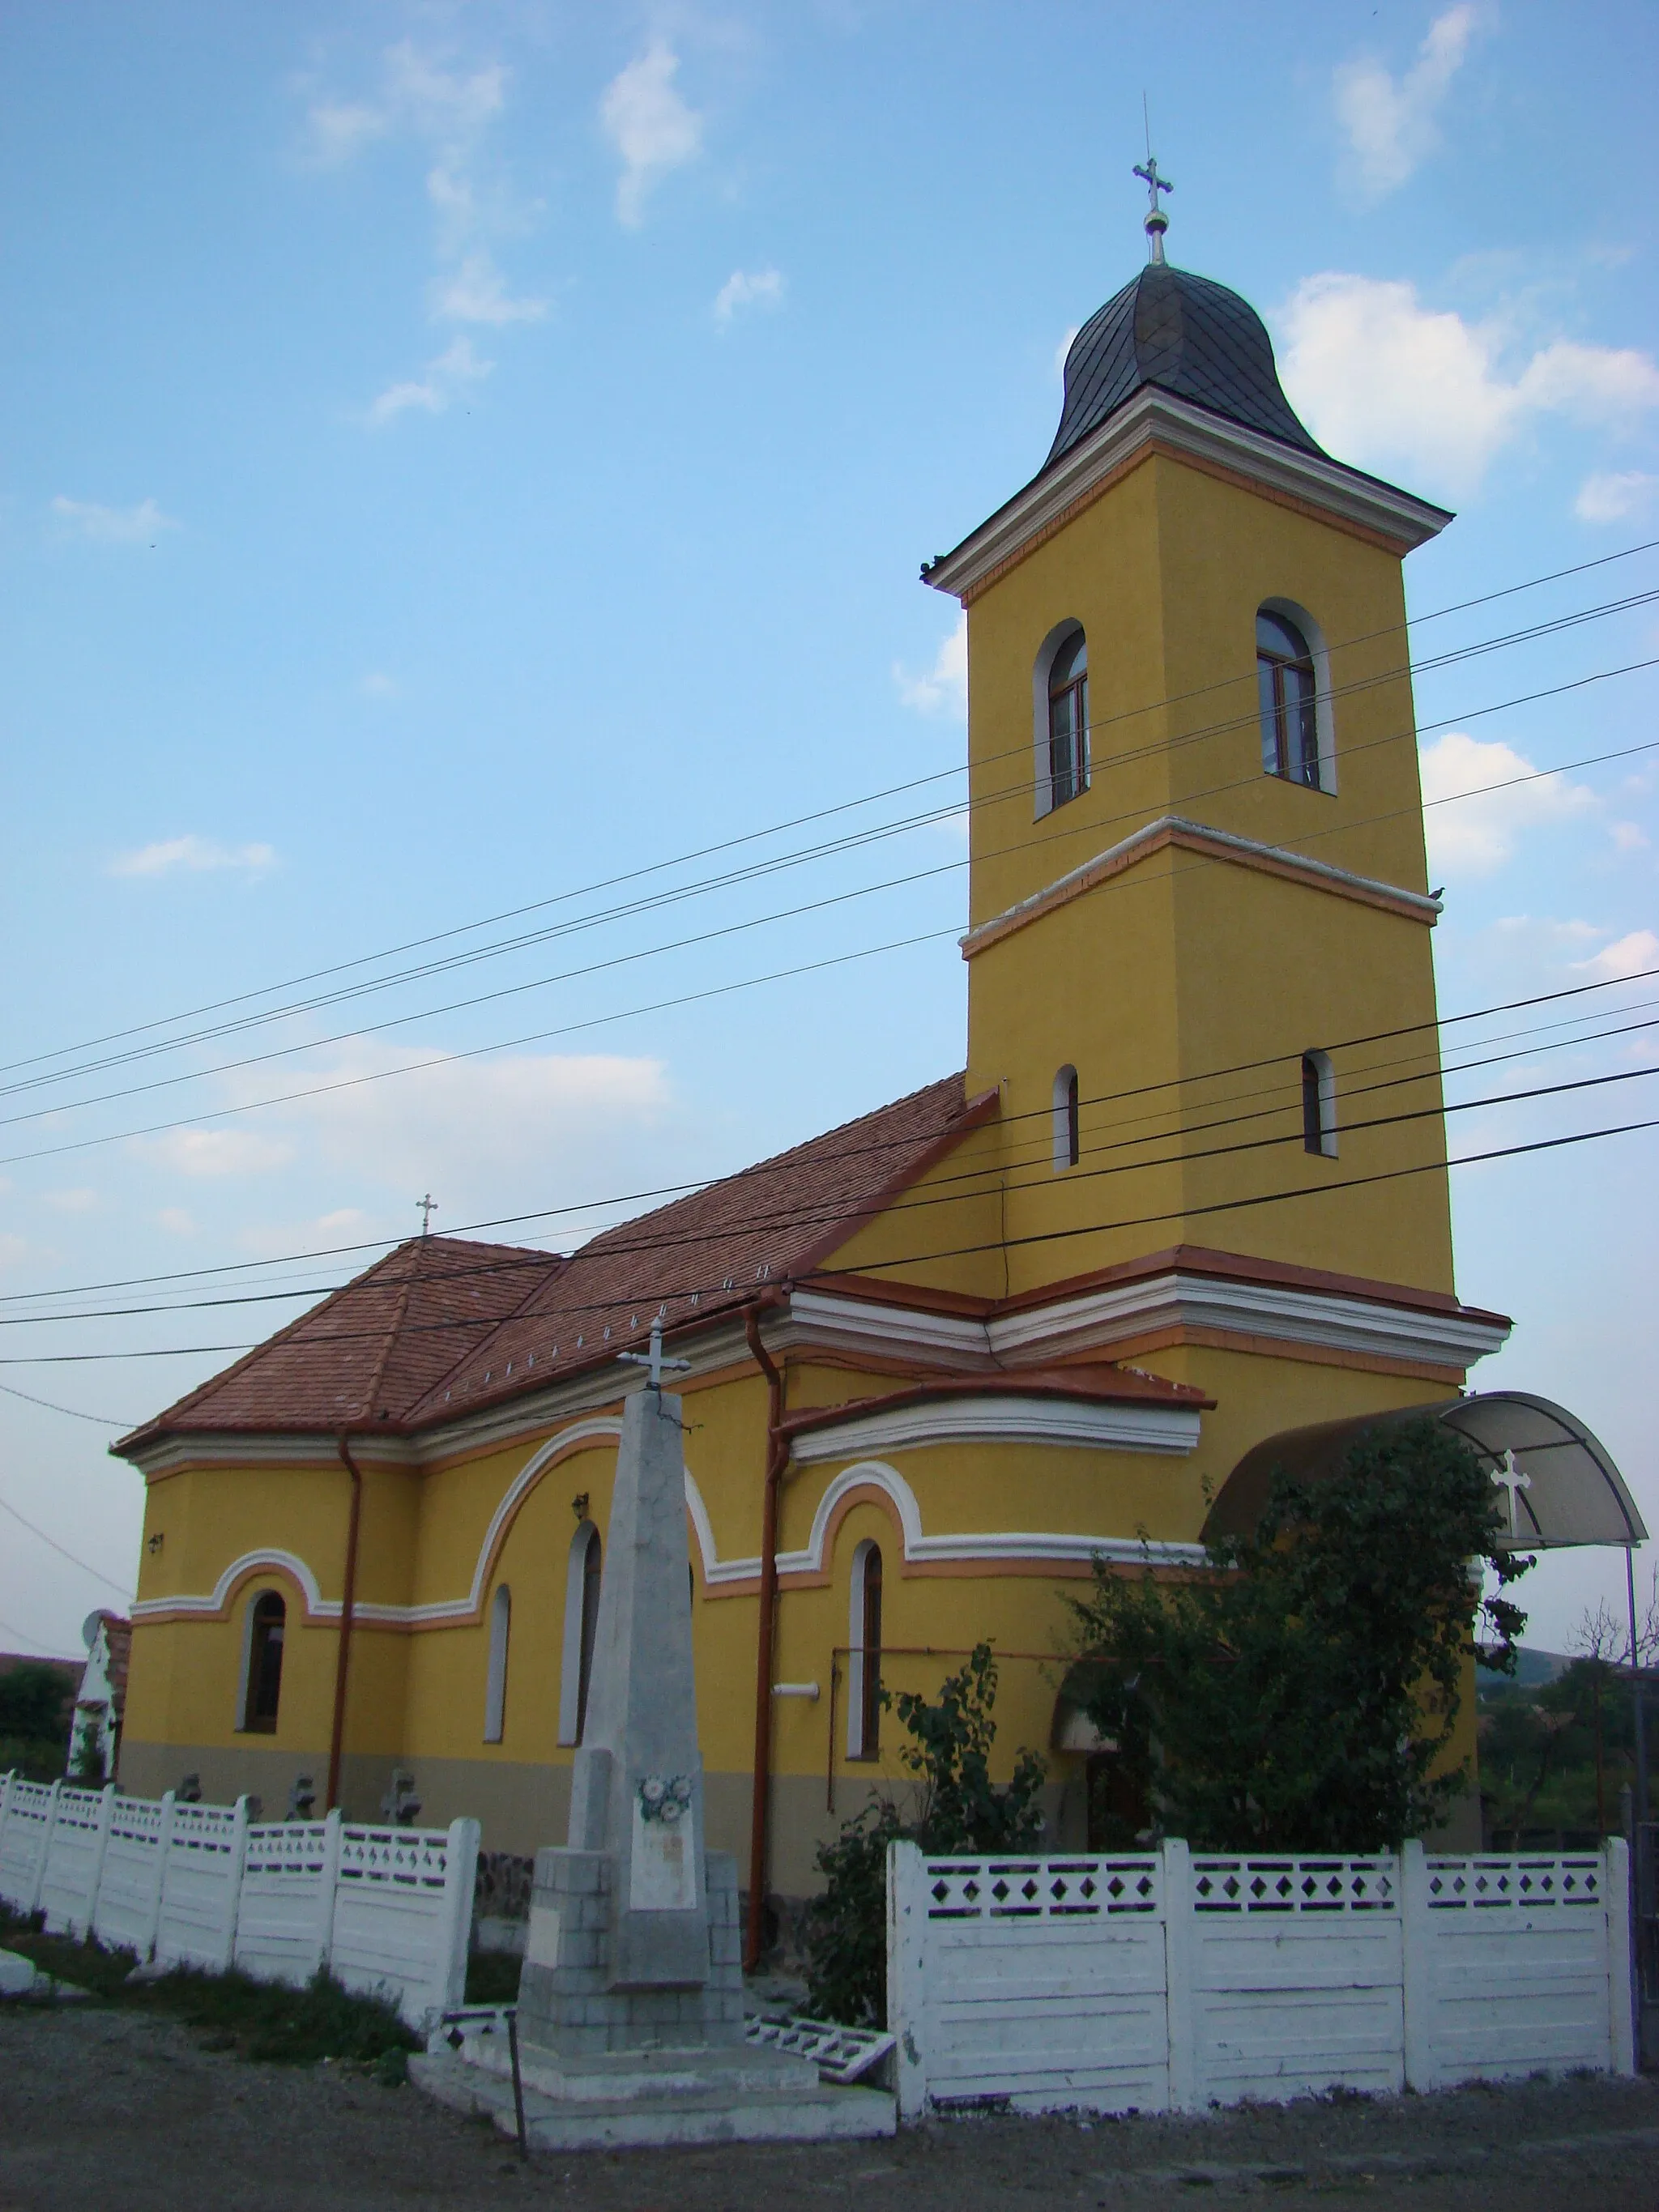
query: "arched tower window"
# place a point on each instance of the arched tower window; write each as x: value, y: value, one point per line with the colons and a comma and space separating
x: 267, y: 1624
x: 864, y: 1673
x: 583, y: 1576
x: 501, y: 1623
x: 1319, y: 1103
x: 1289, y: 687
x: 1068, y: 720
x: 1068, y: 1143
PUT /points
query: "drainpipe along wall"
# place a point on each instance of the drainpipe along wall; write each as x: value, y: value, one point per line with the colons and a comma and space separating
x: 777, y: 1453
x: 348, y: 1601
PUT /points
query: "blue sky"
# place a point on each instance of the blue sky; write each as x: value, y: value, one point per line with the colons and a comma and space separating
x: 456, y: 455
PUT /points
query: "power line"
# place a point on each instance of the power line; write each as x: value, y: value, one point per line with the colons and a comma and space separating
x: 671, y: 1191
x: 783, y: 862
x: 52, y: 1544
x: 733, y: 929
x: 73, y: 1412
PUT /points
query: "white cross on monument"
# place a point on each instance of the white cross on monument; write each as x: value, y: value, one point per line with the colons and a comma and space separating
x: 1509, y: 1477
x: 654, y: 1360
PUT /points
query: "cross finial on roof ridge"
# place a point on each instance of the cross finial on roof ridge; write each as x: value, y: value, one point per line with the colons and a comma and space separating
x: 426, y: 1207
x: 1157, y: 221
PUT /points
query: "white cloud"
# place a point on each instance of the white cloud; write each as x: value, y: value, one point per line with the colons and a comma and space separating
x: 111, y: 525
x: 476, y: 293
x: 176, y: 1221
x: 440, y: 384
x: 377, y: 684
x: 214, y: 1151
x: 1611, y: 498
x: 69, y: 1202
x: 343, y: 1225
x: 196, y: 856
x: 14, y: 1250
x: 945, y: 687
x: 1628, y: 836
x: 650, y: 125
x: 1633, y: 954
x: 416, y: 94
x: 1390, y: 122
x: 1475, y: 835
x: 748, y: 287
x: 1383, y: 379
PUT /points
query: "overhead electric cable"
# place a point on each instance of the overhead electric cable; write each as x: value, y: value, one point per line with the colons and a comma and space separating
x: 98, y: 1420
x: 52, y: 1544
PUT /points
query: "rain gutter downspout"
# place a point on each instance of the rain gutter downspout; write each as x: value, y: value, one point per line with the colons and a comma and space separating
x: 777, y: 1457
x: 348, y: 1599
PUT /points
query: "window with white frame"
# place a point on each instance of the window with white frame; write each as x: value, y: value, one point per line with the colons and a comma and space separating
x: 583, y: 1577
x: 261, y: 1673
x: 1293, y: 687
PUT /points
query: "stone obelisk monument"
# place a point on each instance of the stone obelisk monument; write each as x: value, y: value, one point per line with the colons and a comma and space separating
x: 633, y: 1941
x: 630, y: 2024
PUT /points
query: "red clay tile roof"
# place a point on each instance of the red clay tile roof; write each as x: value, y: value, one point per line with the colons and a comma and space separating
x: 442, y: 1326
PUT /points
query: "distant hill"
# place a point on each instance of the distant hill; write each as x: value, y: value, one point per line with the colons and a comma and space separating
x: 1533, y: 1669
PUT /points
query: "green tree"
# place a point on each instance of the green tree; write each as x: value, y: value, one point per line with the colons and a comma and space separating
x: 1296, y: 1693
x: 35, y: 1720
x: 957, y: 1808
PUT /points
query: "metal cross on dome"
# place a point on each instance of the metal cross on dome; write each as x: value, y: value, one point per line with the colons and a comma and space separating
x: 653, y: 1359
x: 1157, y: 221
x: 1510, y: 1478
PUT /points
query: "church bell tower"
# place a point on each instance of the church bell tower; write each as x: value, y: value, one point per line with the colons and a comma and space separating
x: 1199, y: 951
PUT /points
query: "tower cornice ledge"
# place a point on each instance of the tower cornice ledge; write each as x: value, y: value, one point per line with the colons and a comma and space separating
x: 1175, y: 829
x: 1154, y: 422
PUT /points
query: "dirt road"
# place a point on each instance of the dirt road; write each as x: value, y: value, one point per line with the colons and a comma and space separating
x: 100, y: 2108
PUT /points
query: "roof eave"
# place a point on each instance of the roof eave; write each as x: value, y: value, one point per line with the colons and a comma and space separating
x: 1348, y: 495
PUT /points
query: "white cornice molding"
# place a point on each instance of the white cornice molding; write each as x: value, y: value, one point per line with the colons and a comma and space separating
x: 976, y: 1418
x: 1178, y: 828
x: 821, y: 1318
x: 1344, y: 494
x: 1368, y: 1327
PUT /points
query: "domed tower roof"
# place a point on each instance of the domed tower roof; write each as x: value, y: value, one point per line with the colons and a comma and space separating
x: 1190, y: 336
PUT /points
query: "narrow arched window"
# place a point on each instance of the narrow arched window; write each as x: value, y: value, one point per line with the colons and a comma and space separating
x: 268, y: 1624
x: 864, y: 1674
x: 1319, y: 1104
x: 1068, y: 1142
x: 501, y: 1623
x: 592, y: 1564
x: 1068, y: 720
x: 1289, y: 695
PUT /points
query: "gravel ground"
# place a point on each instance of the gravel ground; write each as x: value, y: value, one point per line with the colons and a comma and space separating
x: 102, y: 2107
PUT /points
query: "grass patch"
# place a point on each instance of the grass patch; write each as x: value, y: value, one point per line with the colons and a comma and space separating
x: 256, y: 2020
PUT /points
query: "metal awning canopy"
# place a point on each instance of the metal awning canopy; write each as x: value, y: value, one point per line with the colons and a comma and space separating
x: 1572, y: 1492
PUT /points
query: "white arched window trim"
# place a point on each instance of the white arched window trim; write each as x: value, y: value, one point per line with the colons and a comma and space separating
x: 856, y: 1747
x: 570, y: 1658
x: 1067, y: 1136
x: 1324, y: 715
x: 500, y: 1626
x: 1321, y: 1063
x: 258, y: 1590
x: 1042, y: 667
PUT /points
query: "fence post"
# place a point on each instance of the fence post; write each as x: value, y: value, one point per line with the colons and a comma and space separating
x: 163, y: 1842
x: 33, y: 1903
x: 234, y: 1898
x: 1178, y: 1946
x: 331, y: 1884
x: 460, y: 1880
x: 6, y: 1781
x: 906, y: 1976
x: 1624, y: 1984
x: 1417, y: 1967
x: 95, y: 1879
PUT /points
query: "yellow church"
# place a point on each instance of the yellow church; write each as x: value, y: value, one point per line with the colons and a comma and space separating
x: 1188, y: 1194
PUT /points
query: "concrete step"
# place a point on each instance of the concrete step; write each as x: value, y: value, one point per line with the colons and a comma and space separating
x: 728, y: 2113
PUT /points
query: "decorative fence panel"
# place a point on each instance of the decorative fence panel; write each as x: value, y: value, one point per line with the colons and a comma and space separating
x: 75, y: 1859
x: 129, y: 1906
x: 1296, y: 1969
x: 201, y: 1880
x: 285, y: 1912
x: 403, y: 1910
x: 1170, y: 1982
x: 25, y: 1832
x: 1524, y: 1963
x: 387, y: 1910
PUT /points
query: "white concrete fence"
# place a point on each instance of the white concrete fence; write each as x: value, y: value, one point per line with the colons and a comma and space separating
x: 387, y: 1910
x: 1168, y: 1981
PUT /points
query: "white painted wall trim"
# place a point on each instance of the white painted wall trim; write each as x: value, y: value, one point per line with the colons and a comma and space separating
x: 1343, y: 493
x: 981, y: 1419
x: 570, y: 1648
